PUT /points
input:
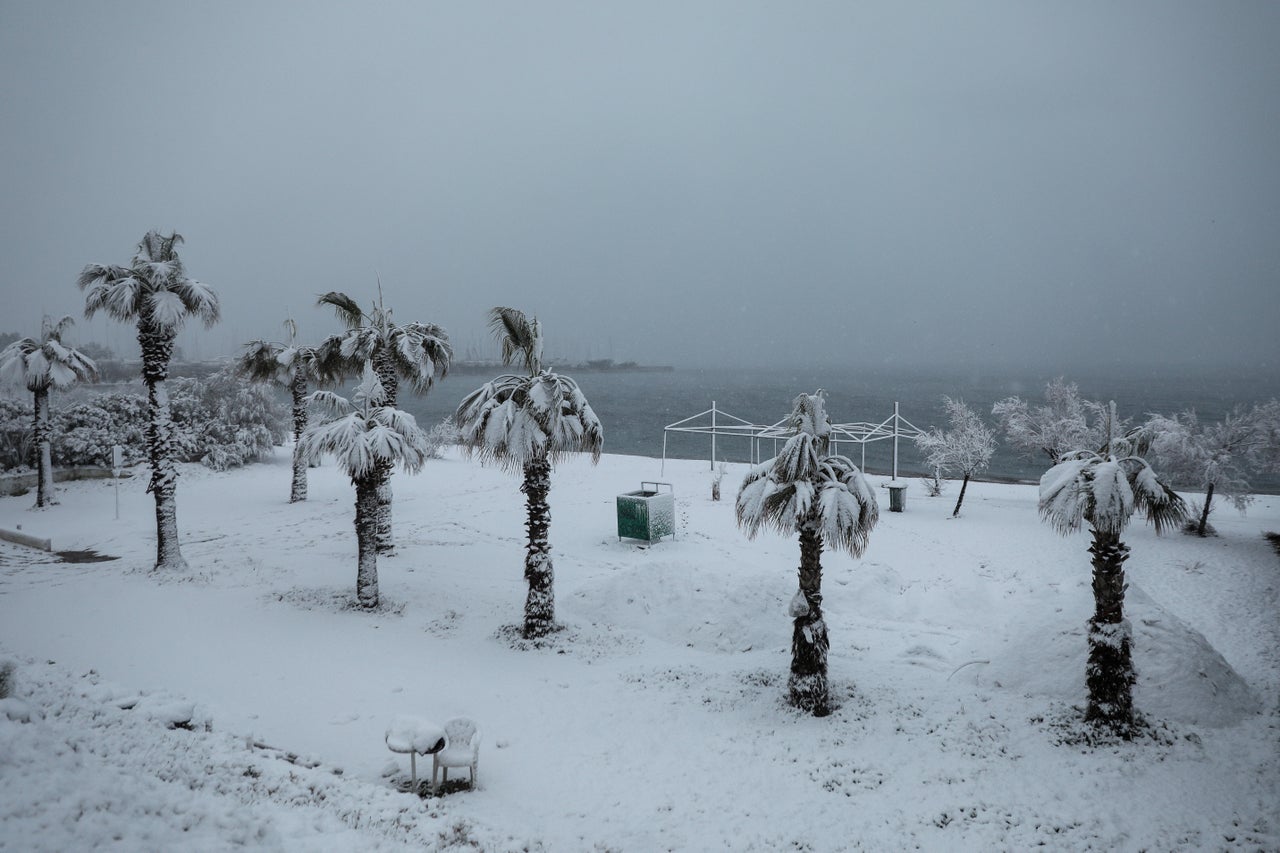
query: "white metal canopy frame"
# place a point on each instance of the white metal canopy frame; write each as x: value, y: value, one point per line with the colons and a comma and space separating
x: 724, y: 424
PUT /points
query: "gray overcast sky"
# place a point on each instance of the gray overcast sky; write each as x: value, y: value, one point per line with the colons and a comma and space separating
x: 684, y: 182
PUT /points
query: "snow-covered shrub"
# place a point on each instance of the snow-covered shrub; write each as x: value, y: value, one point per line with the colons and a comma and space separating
x: 717, y: 476
x: 218, y: 421
x: 7, y: 670
x: 15, y: 433
x: 84, y: 433
x: 443, y: 434
x: 224, y: 422
x: 933, y: 484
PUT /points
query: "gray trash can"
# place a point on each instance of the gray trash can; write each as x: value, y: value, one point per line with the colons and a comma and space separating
x: 648, y: 513
x: 897, y: 497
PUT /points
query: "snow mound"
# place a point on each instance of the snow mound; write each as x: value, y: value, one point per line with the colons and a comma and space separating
x: 1181, y: 677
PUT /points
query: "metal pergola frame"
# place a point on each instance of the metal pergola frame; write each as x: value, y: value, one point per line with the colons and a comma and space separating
x: 861, y: 433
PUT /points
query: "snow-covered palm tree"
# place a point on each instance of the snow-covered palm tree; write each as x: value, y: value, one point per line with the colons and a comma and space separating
x: 365, y: 434
x: 1104, y: 491
x: 825, y: 499
x: 527, y: 422
x: 43, y: 365
x: 155, y: 293
x: 419, y: 353
x: 292, y: 365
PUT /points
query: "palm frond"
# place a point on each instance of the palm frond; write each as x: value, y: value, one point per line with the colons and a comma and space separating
x: 166, y: 310
x: 518, y: 335
x: 1063, y: 501
x: 119, y: 296
x: 846, y: 517
x: 330, y: 403
x: 261, y: 362
x: 198, y: 299
x: 345, y: 307
x: 13, y: 360
x: 52, y: 331
x: 1163, y: 507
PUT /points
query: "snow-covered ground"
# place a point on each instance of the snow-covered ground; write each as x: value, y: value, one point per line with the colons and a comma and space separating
x: 655, y: 721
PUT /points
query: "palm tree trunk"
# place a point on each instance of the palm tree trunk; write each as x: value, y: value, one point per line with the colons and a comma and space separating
x: 540, y: 605
x: 298, y: 388
x: 366, y: 542
x: 386, y: 370
x: 41, y: 445
x: 1110, y: 674
x: 964, y: 485
x: 1204, y: 515
x: 157, y: 347
x: 808, y: 682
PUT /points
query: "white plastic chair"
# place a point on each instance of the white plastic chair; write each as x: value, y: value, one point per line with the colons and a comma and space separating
x: 462, y: 749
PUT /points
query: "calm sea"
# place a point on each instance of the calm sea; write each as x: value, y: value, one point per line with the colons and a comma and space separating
x: 634, y: 407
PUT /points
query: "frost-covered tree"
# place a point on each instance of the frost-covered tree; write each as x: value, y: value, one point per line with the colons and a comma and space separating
x: 419, y: 353
x: 963, y: 449
x: 527, y: 422
x: 1215, y: 457
x: 293, y: 366
x: 1063, y: 424
x: 1267, y: 423
x: 823, y: 497
x: 365, y: 434
x: 1103, y: 491
x: 43, y: 365
x: 155, y: 293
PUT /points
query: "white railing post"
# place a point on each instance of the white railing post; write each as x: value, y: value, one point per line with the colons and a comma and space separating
x: 895, y: 441
x: 713, y: 435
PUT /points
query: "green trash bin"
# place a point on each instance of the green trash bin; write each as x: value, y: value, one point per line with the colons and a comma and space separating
x: 648, y: 513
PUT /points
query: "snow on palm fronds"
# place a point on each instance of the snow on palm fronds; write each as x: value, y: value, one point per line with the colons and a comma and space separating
x: 46, y: 363
x: 803, y: 484
x: 418, y: 352
x: 363, y: 432
x: 154, y: 288
x: 1105, y: 492
x: 514, y: 419
x: 279, y: 362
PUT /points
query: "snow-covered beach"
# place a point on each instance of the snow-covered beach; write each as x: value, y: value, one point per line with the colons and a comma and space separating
x: 657, y: 719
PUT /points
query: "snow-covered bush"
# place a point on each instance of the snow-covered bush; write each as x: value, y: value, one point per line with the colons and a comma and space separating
x: 223, y: 422
x: 7, y: 670
x: 442, y: 435
x: 933, y: 484
x: 15, y: 433
x: 219, y: 421
x: 85, y: 432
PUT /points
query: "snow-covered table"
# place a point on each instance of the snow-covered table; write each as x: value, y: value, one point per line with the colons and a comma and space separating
x: 415, y: 736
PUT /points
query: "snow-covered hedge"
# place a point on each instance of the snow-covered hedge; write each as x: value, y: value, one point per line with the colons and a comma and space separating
x: 219, y: 421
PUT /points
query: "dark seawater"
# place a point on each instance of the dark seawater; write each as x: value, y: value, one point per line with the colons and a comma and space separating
x: 635, y: 406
